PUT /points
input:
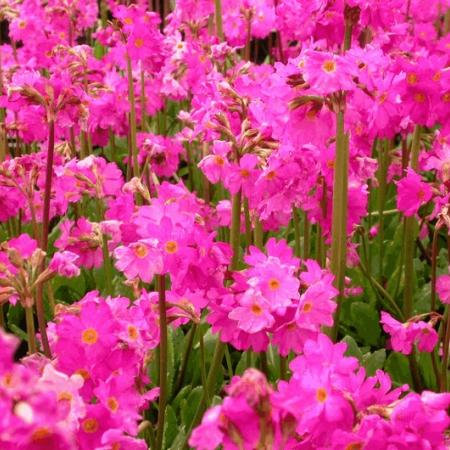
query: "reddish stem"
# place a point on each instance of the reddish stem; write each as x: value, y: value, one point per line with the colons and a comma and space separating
x: 44, y: 237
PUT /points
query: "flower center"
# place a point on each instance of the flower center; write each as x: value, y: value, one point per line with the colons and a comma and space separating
x: 219, y: 160
x: 256, y: 309
x: 411, y: 78
x: 307, y: 307
x: 171, y: 247
x: 113, y: 404
x: 382, y: 98
x: 419, y: 97
x: 40, y: 433
x: 321, y: 394
x: 89, y: 336
x: 65, y: 396
x: 89, y: 425
x: 138, y: 42
x: 141, y: 251
x: 274, y: 284
x: 245, y: 173
x: 329, y: 66
x: 83, y: 373
x: 132, y: 332
x: 128, y: 21
x: 354, y: 446
x: 271, y: 175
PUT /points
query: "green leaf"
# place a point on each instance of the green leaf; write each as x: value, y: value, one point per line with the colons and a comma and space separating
x: 184, y: 392
x: 366, y: 321
x: 18, y: 332
x: 179, y: 440
x: 352, y: 348
x: 189, y: 406
x: 374, y: 361
x: 426, y: 370
x: 397, y: 366
x: 170, y: 427
x: 15, y: 315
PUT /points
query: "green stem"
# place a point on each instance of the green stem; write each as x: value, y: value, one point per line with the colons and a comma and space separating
x: 382, y: 192
x: 283, y: 367
x: 296, y: 220
x: 132, y: 125
x: 444, y: 370
x: 143, y: 102
x: 185, y: 359
x: 248, y: 224
x: 259, y: 234
x: 306, y: 234
x: 392, y: 305
x: 229, y: 363
x: 208, y: 392
x: 434, y: 253
x: 218, y: 16
x: 339, y: 220
x: 203, y: 367
x: 161, y: 283
x: 31, y: 332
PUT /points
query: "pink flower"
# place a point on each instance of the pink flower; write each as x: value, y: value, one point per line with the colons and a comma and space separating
x: 64, y: 264
x: 253, y: 314
x: 412, y: 193
x: 327, y: 72
x: 140, y: 259
x: 402, y: 334
x: 443, y: 288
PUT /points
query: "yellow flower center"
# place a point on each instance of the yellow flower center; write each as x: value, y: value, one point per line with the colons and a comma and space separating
x: 141, y: 251
x: 171, y: 247
x: 321, y: 394
x: 411, y: 78
x: 382, y: 98
x: 113, y: 404
x: 307, y: 307
x: 65, y: 396
x: 256, y: 309
x: 128, y: 21
x: 89, y: 336
x: 354, y: 446
x: 83, y: 373
x: 219, y: 160
x: 133, y: 332
x: 138, y: 42
x: 245, y: 173
x: 329, y: 66
x: 419, y: 97
x: 40, y: 433
x: 274, y: 284
x: 89, y: 425
x: 271, y: 175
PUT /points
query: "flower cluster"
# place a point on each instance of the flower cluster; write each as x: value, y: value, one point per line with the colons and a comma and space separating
x: 329, y: 402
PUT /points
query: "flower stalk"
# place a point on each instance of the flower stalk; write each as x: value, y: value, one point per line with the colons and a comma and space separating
x: 161, y: 286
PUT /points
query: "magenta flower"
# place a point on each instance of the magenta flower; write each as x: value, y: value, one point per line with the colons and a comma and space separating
x: 64, y: 264
x: 140, y: 259
x: 253, y: 314
x: 412, y: 193
x: 443, y: 288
